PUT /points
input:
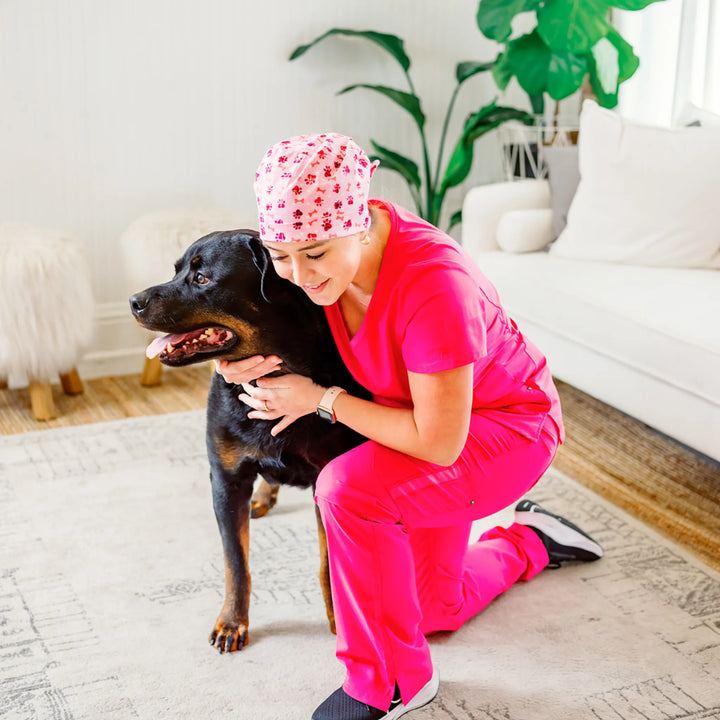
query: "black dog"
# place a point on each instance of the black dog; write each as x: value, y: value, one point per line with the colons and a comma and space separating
x: 226, y: 301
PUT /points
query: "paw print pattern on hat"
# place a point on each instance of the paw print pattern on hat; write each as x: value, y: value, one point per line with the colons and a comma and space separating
x: 313, y: 187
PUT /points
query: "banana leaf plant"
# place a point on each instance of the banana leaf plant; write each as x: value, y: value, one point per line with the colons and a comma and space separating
x: 571, y: 41
x: 428, y: 186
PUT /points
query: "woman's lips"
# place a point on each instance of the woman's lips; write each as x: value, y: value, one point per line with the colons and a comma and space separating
x: 312, y: 289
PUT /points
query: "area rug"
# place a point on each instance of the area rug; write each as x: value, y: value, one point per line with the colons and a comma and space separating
x: 111, y: 578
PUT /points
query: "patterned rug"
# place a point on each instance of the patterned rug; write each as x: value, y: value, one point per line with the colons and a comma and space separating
x: 111, y: 578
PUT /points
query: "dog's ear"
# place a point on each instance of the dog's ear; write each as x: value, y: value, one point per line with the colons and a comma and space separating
x: 261, y: 260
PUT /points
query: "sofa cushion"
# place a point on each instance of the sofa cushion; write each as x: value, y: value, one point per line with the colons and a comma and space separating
x: 647, y: 195
x: 564, y: 177
x: 631, y: 314
x: 521, y: 231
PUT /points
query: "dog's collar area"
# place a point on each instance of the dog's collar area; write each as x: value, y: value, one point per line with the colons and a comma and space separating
x: 183, y: 346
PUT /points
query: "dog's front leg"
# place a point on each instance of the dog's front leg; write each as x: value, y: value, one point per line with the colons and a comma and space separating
x: 231, y: 501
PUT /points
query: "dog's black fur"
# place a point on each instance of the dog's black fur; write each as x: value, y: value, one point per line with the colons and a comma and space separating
x: 225, y: 281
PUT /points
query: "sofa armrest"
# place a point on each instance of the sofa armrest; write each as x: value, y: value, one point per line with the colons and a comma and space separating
x: 486, y: 204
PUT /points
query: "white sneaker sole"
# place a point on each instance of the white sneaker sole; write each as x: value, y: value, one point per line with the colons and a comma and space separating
x: 559, y: 532
x: 428, y: 693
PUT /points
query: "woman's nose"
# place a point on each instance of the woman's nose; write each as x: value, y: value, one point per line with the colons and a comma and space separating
x: 299, y: 271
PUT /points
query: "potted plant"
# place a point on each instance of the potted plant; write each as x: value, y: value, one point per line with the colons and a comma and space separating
x: 573, y: 40
x: 429, y: 185
x: 572, y: 45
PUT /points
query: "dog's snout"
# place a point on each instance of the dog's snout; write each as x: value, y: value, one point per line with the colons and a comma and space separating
x: 139, y: 302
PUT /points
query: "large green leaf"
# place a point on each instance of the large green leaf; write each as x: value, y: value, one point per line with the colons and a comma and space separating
x: 494, y: 17
x: 627, y: 59
x: 606, y: 65
x: 391, y: 160
x: 566, y: 73
x: 606, y: 95
x: 393, y: 44
x: 476, y: 125
x: 406, y: 100
x: 632, y: 4
x: 502, y: 71
x: 529, y: 58
x: 573, y: 25
x: 465, y: 70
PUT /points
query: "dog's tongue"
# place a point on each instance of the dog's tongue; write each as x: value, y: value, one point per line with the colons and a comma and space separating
x: 158, y: 344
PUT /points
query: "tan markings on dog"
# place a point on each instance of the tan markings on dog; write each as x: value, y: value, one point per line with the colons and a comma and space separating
x: 325, y: 571
x: 232, y: 623
x: 263, y: 499
x: 232, y: 452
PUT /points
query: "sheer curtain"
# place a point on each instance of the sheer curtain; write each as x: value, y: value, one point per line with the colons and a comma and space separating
x: 678, y: 43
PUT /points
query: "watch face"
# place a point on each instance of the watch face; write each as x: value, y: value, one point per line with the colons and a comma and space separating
x: 325, y: 415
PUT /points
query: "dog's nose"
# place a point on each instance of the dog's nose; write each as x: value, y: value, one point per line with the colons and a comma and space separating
x: 138, y: 303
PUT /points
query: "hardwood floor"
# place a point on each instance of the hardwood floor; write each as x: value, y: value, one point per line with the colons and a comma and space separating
x: 669, y: 487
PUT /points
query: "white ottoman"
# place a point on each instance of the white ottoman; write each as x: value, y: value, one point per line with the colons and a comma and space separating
x: 151, y: 244
x: 46, y: 311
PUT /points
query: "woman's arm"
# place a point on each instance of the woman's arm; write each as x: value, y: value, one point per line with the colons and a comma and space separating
x: 435, y: 429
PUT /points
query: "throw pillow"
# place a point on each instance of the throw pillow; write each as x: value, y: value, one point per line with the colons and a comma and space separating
x: 647, y: 195
x: 521, y: 231
x: 691, y: 114
x: 564, y: 176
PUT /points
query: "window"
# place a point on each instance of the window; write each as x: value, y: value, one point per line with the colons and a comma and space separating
x: 678, y: 43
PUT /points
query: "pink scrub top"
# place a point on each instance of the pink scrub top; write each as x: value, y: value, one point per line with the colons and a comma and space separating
x: 433, y: 310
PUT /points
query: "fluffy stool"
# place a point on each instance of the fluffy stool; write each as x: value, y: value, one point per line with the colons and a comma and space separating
x: 151, y: 244
x: 46, y: 311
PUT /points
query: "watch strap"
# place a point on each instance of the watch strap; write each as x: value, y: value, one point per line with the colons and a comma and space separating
x: 328, y: 400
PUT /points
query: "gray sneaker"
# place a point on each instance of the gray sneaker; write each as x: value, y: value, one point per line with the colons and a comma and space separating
x: 340, y: 706
x: 563, y: 541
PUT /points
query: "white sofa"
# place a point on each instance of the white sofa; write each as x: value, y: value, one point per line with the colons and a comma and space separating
x: 644, y: 339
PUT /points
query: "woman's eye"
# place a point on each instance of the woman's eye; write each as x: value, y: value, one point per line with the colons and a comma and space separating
x: 276, y: 258
x: 315, y: 257
x: 200, y: 279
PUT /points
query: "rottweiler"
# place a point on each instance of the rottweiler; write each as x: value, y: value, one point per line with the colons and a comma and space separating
x: 226, y: 301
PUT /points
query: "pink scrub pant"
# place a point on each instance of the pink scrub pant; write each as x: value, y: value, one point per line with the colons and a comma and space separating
x: 400, y: 564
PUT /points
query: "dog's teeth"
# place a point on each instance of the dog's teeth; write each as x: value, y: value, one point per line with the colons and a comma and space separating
x: 169, y: 347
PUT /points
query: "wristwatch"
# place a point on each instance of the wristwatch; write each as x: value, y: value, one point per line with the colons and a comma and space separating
x: 325, y: 408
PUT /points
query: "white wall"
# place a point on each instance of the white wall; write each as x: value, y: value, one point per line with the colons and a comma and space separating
x: 113, y: 108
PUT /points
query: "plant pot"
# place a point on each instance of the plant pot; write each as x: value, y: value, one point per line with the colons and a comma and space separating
x: 522, y: 146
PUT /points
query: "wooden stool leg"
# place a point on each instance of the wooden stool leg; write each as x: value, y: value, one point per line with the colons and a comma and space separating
x: 71, y: 383
x: 152, y: 372
x: 41, y: 400
x: 3, y: 383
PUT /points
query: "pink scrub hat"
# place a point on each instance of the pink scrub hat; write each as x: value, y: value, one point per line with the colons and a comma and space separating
x: 313, y: 187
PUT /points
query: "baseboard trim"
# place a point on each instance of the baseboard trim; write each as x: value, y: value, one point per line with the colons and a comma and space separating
x: 118, y: 343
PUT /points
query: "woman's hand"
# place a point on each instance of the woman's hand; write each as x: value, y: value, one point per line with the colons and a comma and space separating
x: 243, y: 371
x: 288, y: 397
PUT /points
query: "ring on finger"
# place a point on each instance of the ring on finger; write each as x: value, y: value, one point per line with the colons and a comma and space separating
x: 267, y: 409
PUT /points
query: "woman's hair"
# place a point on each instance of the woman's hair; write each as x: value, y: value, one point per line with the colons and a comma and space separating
x: 313, y: 187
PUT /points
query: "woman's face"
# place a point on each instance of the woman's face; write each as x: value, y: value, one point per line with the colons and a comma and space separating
x: 322, y: 268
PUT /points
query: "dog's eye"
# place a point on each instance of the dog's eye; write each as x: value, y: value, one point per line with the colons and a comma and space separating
x: 200, y: 279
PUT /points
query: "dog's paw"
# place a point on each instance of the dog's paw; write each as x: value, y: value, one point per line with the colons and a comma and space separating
x: 228, y: 637
x: 264, y: 499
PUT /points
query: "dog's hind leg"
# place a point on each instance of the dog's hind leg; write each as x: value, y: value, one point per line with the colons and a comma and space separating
x: 325, y: 571
x: 264, y: 498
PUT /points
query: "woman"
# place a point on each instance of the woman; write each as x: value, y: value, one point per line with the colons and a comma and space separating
x: 464, y: 420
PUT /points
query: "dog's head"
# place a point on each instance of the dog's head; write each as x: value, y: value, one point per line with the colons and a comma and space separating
x: 224, y: 301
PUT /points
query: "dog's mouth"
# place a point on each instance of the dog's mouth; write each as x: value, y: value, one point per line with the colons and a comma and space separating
x: 180, y: 348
